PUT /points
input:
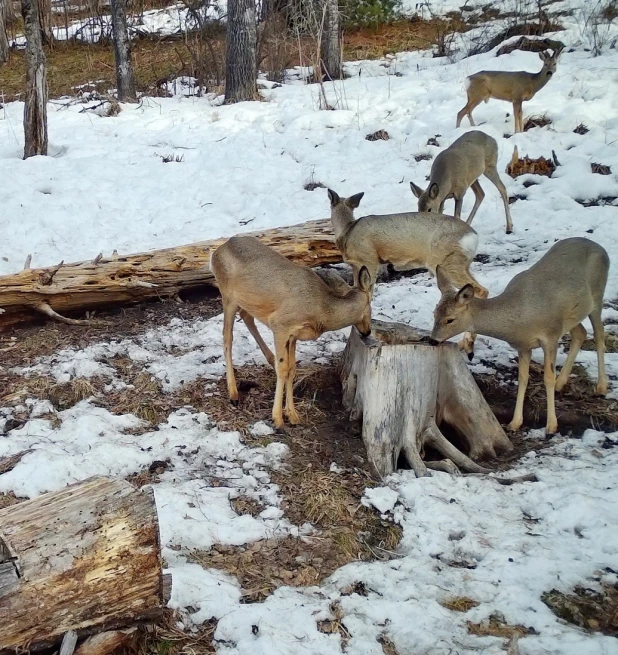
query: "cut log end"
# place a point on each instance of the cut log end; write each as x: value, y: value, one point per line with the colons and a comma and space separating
x: 421, y: 386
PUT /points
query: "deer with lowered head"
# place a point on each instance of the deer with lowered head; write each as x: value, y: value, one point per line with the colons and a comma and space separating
x: 292, y: 300
x: 512, y: 86
x: 457, y: 169
x: 407, y: 240
x: 535, y: 309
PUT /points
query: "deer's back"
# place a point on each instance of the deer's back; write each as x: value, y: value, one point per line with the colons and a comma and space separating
x: 466, y: 158
x: 502, y: 85
x: 408, y: 237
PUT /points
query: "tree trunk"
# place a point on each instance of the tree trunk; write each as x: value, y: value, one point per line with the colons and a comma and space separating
x: 35, y: 108
x: 241, y: 52
x: 125, y: 78
x: 4, y: 37
x: 405, y: 389
x: 86, y: 558
x: 331, y: 41
x: 131, y: 278
x: 45, y: 16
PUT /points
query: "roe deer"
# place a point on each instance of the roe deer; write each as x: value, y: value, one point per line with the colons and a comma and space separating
x: 512, y: 86
x: 407, y: 241
x: 535, y: 309
x: 292, y: 300
x: 457, y: 169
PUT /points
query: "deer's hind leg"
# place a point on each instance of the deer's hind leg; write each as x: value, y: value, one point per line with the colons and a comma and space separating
x: 282, y: 366
x: 578, y: 336
x: 229, y: 312
x: 252, y: 327
x: 290, y: 411
x: 550, y: 350
x: 493, y: 176
x: 599, y: 342
x: 456, y: 267
x: 479, y: 194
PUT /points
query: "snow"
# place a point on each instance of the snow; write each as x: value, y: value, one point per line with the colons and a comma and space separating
x: 105, y: 187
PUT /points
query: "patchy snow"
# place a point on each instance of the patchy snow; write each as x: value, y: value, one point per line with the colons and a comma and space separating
x: 106, y: 188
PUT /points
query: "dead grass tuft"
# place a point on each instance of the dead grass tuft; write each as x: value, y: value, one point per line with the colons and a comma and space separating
x: 496, y: 626
x: 423, y: 156
x: 148, y: 475
x: 611, y: 343
x: 600, y: 169
x: 596, y: 611
x: 529, y: 166
x: 581, y: 129
x: 246, y: 505
x: 388, y: 647
x: 380, y: 135
x: 536, y: 121
x: 9, y: 463
x: 335, y: 625
x: 312, y: 186
x: 459, y: 603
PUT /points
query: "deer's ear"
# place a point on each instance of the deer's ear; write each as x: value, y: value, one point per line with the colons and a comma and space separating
x: 334, y: 198
x: 444, y: 284
x: 433, y: 191
x: 354, y: 201
x: 416, y: 190
x: 543, y: 55
x: 465, y: 294
x: 364, y: 279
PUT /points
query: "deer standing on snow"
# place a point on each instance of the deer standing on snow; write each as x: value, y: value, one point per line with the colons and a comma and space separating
x: 515, y: 87
x: 457, y: 169
x: 292, y: 300
x: 535, y: 309
x: 408, y: 240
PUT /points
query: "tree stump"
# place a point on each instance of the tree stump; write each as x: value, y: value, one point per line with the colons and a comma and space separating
x: 86, y: 558
x: 404, y: 388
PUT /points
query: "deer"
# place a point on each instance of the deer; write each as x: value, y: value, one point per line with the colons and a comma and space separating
x: 407, y: 240
x: 536, y: 308
x: 292, y: 300
x: 512, y: 86
x: 457, y: 169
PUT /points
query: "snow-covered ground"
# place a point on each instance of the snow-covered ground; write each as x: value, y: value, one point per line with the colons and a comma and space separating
x: 105, y: 187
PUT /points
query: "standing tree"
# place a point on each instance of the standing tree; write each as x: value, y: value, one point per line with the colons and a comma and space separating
x: 4, y: 39
x: 331, y: 41
x: 125, y: 78
x: 45, y: 15
x: 35, y: 108
x: 241, y: 53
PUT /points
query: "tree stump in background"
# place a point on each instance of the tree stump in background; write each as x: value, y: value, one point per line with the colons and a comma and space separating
x: 86, y: 559
x: 404, y: 388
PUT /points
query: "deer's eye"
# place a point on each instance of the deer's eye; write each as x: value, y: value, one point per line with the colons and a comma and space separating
x: 449, y: 321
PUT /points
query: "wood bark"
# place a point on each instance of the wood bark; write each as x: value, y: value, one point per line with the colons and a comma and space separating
x: 35, y: 107
x: 241, y: 52
x: 125, y: 77
x: 330, y: 46
x: 45, y: 16
x: 113, y: 280
x: 86, y: 558
x: 4, y: 37
x: 405, y: 389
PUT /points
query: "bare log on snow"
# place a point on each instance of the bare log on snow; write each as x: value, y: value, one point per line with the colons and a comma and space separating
x: 85, y: 559
x: 404, y: 389
x: 106, y: 281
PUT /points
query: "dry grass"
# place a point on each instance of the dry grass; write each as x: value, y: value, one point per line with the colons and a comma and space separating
x: 9, y: 463
x: 335, y: 625
x: 459, y: 603
x: 246, y: 505
x: 388, y: 647
x: 527, y: 165
x: 496, y: 626
x: 581, y: 129
x: 611, y: 343
x: 600, y: 169
x: 536, y: 121
x: 596, y: 611
x: 8, y: 499
x: 380, y: 135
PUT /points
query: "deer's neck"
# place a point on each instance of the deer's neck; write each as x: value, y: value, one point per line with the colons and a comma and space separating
x: 540, y: 79
x: 494, y: 317
x: 342, y: 222
x: 345, y: 311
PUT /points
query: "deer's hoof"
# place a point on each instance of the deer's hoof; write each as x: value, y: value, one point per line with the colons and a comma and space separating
x: 234, y: 401
x: 470, y: 356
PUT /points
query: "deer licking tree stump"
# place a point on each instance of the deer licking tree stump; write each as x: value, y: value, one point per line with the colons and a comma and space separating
x: 404, y: 388
x: 86, y: 558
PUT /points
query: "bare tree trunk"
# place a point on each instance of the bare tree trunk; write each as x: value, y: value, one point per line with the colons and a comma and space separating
x: 4, y: 38
x: 125, y: 78
x: 241, y: 54
x: 35, y: 108
x: 45, y: 16
x: 331, y: 41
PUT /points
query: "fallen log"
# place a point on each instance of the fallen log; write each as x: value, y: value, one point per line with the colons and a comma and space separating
x: 405, y: 389
x: 85, y: 559
x: 107, y: 281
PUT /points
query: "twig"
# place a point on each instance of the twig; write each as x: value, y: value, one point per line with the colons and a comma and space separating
x: 69, y: 642
x: 44, y: 308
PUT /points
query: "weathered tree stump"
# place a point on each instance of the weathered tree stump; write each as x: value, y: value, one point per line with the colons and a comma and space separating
x: 86, y: 558
x: 404, y: 388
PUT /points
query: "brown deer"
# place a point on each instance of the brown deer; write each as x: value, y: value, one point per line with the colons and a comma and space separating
x: 515, y: 87
x: 457, y: 169
x: 409, y: 240
x: 292, y: 300
x: 535, y: 309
